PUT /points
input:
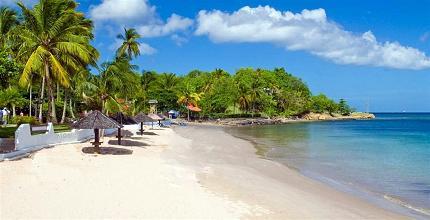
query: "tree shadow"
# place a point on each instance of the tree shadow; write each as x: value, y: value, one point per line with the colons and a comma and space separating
x: 107, y: 151
x: 146, y: 133
x: 128, y: 143
x: 125, y: 133
x: 138, y: 137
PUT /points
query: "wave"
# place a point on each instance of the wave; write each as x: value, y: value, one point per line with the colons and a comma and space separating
x: 398, y: 201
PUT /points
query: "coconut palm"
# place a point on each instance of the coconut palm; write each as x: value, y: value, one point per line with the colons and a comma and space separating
x: 168, y: 81
x: 243, y: 98
x: 189, y: 97
x: 129, y: 46
x: 11, y: 98
x: 55, y: 40
x: 8, y: 19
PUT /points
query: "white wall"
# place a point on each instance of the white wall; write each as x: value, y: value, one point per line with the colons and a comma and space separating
x: 24, y: 139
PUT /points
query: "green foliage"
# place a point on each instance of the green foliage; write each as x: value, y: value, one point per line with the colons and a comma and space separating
x: 8, y: 21
x: 322, y: 104
x: 11, y: 97
x: 224, y: 115
x: 130, y: 46
x: 18, y: 120
x: 344, y: 108
x: 249, y: 91
x: 8, y: 70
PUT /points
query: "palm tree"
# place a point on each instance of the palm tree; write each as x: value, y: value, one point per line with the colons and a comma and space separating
x: 243, y: 98
x: 8, y: 20
x: 55, y: 40
x: 129, y: 46
x: 11, y: 97
x: 188, y: 96
x: 168, y: 81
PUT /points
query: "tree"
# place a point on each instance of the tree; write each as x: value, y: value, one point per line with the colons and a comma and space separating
x: 55, y: 39
x: 8, y: 20
x: 11, y: 98
x: 129, y: 46
x: 187, y: 96
x: 322, y: 104
x: 8, y: 70
x: 343, y: 107
x: 148, y: 79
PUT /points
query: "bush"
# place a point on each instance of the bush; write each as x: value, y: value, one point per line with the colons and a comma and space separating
x: 19, y: 120
x: 223, y: 115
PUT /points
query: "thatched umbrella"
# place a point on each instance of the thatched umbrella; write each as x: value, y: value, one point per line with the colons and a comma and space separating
x: 155, y: 117
x: 122, y: 119
x: 141, y: 118
x: 96, y: 120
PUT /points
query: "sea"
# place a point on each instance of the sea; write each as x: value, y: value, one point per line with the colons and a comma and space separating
x: 384, y: 160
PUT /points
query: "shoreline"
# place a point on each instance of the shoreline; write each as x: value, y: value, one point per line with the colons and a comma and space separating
x: 277, y: 183
x: 385, y: 201
x: 311, y: 117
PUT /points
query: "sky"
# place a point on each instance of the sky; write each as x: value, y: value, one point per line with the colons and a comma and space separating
x: 375, y: 54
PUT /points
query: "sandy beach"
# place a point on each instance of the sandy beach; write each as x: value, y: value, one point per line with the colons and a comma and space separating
x: 182, y: 173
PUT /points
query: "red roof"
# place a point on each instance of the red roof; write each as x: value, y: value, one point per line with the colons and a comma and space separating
x: 193, y: 108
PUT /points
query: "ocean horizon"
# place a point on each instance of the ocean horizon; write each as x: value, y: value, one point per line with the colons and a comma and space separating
x: 385, y: 160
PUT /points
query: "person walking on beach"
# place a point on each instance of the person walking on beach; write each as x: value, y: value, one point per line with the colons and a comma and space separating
x: 5, y: 116
x: 1, y: 117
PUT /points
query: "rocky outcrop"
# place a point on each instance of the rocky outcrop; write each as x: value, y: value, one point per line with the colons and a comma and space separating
x: 282, y: 120
x: 362, y: 115
x: 325, y: 116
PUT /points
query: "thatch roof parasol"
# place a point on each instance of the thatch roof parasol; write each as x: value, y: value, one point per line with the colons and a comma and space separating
x: 142, y: 118
x: 155, y: 117
x: 96, y: 120
x: 123, y: 119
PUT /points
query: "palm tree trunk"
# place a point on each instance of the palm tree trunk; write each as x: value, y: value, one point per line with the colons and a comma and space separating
x: 31, y: 96
x: 52, y: 102
x: 71, y: 109
x: 51, y: 105
x: 42, y: 92
x: 13, y: 110
x: 188, y: 114
x: 63, y: 116
x: 58, y: 91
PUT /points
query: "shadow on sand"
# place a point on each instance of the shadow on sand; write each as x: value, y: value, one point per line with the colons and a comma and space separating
x: 128, y: 143
x: 107, y: 151
x: 146, y: 133
x: 125, y: 133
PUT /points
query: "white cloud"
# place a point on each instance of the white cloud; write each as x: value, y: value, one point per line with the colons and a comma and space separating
x: 309, y: 31
x: 174, y: 23
x: 179, y: 40
x: 123, y: 11
x: 139, y: 14
x: 146, y: 49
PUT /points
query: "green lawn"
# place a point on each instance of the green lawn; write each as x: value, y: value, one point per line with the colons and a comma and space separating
x: 9, y: 130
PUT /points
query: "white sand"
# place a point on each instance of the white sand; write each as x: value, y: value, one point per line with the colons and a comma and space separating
x: 212, y: 176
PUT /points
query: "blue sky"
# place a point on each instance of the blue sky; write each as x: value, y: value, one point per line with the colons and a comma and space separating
x: 374, y: 52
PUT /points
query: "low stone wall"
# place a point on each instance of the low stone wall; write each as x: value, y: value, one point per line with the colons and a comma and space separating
x: 25, y: 143
x: 24, y: 139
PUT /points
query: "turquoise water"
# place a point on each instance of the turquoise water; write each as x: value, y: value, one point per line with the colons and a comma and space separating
x: 387, y: 158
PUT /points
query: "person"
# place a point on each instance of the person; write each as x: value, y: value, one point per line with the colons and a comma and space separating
x: 1, y: 117
x: 5, y: 116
